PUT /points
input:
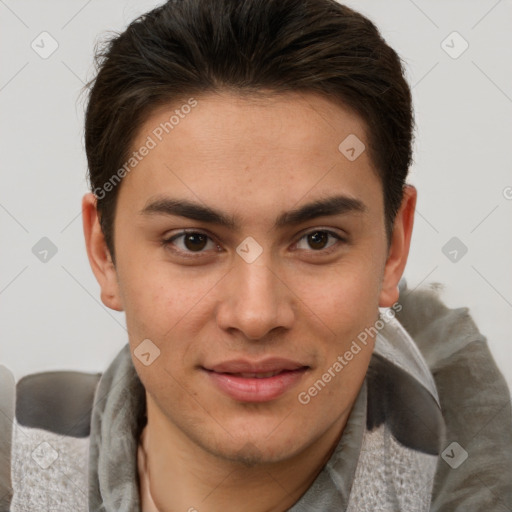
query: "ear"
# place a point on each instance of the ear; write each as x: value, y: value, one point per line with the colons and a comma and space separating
x: 99, y: 255
x: 399, y: 248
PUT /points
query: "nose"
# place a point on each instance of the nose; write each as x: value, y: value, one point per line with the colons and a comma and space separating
x: 256, y: 301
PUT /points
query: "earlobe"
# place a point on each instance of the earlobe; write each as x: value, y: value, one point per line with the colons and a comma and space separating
x: 99, y: 255
x: 399, y: 248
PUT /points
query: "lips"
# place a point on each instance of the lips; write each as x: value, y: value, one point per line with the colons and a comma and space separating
x: 250, y: 381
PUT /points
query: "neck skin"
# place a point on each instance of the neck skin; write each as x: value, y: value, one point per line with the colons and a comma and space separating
x: 184, y: 477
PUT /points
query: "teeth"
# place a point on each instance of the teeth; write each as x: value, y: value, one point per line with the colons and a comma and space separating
x: 257, y: 375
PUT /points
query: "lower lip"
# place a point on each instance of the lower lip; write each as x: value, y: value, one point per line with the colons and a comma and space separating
x: 246, y: 389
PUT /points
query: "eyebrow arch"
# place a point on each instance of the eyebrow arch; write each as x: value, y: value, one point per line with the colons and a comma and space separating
x: 335, y: 205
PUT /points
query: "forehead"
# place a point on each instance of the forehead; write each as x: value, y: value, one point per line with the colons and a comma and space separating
x: 302, y: 122
x: 228, y: 150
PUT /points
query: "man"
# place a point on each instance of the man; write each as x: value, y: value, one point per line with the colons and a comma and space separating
x: 251, y: 217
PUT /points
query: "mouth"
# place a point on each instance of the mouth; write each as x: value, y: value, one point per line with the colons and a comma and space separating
x: 256, y: 375
x: 246, y: 381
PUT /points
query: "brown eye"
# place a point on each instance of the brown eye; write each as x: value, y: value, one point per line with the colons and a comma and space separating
x: 195, y: 241
x: 318, y: 239
x: 187, y: 243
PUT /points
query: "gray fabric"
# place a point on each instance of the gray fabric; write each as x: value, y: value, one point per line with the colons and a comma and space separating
x: 7, y: 400
x: 117, y: 421
x: 408, y: 410
x: 394, y: 344
x: 341, y: 467
x: 475, y: 401
x: 48, y: 471
x: 390, y: 477
x: 57, y: 401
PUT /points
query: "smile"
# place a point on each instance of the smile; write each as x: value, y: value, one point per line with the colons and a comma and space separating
x: 256, y: 382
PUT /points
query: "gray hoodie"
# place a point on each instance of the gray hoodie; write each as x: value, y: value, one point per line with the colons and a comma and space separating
x: 431, y: 428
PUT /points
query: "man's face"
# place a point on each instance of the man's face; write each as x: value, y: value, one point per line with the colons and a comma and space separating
x: 228, y: 306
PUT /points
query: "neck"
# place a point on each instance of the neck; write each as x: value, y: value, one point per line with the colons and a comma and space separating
x: 184, y: 477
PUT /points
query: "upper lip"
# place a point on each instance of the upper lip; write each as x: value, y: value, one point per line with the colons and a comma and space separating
x: 266, y: 365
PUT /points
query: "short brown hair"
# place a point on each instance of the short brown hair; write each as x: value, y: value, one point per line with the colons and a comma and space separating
x: 193, y: 47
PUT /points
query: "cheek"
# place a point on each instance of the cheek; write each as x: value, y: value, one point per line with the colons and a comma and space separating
x: 342, y: 296
x: 156, y: 298
x: 170, y: 310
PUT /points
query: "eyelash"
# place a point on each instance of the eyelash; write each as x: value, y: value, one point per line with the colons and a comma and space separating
x: 168, y: 242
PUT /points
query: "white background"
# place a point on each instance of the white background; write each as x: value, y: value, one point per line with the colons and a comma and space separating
x: 51, y: 316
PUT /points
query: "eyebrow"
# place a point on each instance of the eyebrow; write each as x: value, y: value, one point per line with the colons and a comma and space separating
x: 335, y: 205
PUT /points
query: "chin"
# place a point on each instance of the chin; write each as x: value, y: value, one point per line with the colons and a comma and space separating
x: 248, y: 445
x: 253, y: 453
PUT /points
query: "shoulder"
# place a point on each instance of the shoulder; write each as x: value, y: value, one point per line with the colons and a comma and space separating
x: 476, y: 463
x: 438, y: 331
x: 44, y: 430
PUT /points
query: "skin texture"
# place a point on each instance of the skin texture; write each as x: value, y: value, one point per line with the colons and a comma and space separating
x: 301, y: 299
